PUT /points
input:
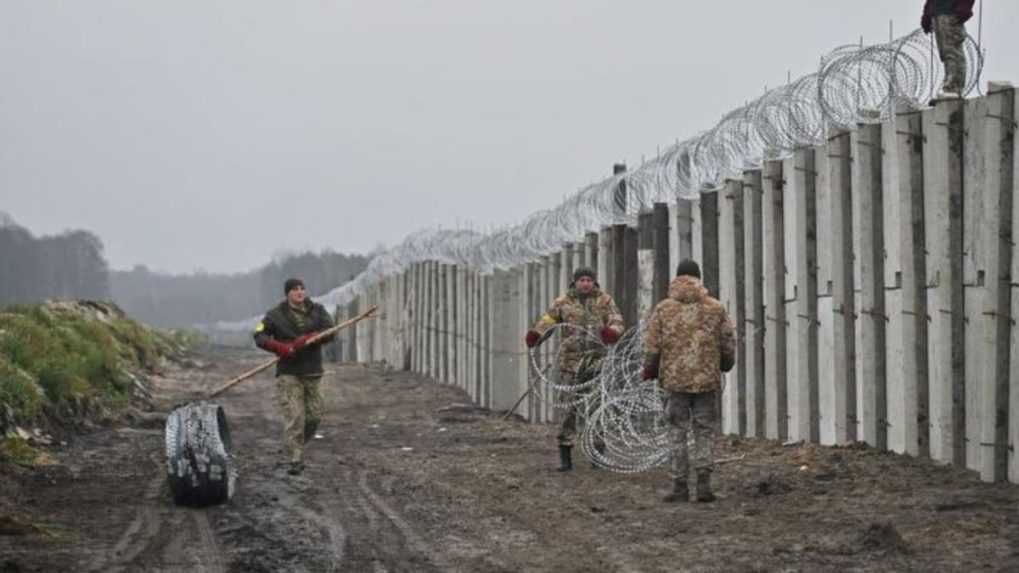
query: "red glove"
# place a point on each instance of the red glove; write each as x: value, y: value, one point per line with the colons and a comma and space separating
x: 282, y: 349
x: 649, y: 373
x: 302, y: 341
x: 609, y: 335
x: 532, y: 338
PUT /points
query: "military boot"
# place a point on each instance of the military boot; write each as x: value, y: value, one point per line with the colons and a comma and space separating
x: 680, y: 492
x: 704, y: 486
x: 565, y: 460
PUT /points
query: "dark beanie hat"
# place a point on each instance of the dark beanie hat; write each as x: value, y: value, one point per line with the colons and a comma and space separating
x: 584, y: 272
x: 688, y: 267
x: 291, y: 284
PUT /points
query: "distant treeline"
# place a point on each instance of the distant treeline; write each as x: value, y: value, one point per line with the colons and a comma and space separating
x: 72, y: 265
x: 68, y: 265
x: 175, y: 301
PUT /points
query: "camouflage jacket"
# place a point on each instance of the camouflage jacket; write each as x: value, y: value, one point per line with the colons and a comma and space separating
x: 691, y: 338
x: 591, y: 313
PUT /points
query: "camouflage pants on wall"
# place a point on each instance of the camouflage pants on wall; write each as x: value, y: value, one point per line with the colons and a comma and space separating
x: 680, y: 409
x: 300, y: 400
x: 951, y: 35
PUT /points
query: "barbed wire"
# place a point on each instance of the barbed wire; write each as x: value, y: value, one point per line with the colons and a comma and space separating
x: 854, y: 84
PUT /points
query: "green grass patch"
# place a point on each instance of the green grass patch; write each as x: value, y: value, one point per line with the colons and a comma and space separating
x: 16, y: 450
x: 58, y: 354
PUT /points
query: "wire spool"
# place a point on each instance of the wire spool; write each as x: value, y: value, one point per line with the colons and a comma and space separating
x: 199, y: 466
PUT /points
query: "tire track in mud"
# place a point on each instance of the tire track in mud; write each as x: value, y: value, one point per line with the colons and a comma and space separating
x: 207, y: 540
x: 332, y: 528
x: 136, y: 536
x: 411, y: 538
x: 188, y: 541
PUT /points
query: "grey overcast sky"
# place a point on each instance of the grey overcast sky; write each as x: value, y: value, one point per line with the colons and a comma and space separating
x: 212, y: 134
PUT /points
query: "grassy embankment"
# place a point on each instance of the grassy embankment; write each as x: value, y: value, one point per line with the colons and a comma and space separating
x: 64, y: 362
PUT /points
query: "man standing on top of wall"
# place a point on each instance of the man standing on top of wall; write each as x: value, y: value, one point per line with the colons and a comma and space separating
x: 285, y: 331
x: 585, y: 310
x: 689, y: 342
x: 947, y: 19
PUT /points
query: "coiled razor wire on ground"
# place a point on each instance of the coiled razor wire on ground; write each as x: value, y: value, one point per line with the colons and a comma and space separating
x: 619, y: 416
x: 853, y: 84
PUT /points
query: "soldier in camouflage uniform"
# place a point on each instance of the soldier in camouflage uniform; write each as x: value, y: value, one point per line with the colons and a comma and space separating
x: 947, y: 19
x: 689, y: 341
x: 285, y: 331
x: 585, y: 308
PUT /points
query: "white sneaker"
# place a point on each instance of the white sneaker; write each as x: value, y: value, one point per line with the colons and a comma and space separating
x: 318, y: 436
x: 947, y: 95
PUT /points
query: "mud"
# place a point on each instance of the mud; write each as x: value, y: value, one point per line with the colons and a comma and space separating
x: 411, y: 477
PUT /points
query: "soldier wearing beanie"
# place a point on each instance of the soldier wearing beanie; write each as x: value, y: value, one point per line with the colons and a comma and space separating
x: 689, y: 342
x: 285, y: 331
x: 585, y: 309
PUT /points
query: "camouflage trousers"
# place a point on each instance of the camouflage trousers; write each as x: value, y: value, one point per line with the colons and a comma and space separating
x: 951, y: 35
x: 300, y: 400
x: 681, y: 408
x: 568, y: 416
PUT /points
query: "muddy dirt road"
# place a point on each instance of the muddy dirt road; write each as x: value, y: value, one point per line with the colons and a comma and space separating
x: 407, y: 480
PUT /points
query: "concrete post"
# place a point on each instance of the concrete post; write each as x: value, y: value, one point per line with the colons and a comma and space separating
x: 663, y: 271
x: 869, y: 271
x: 843, y: 287
x: 579, y: 255
x: 619, y: 268
x: 462, y: 322
x: 697, y: 230
x: 566, y: 266
x: 826, y: 400
x: 591, y: 252
x: 775, y: 381
x: 943, y: 130
x: 523, y: 374
x: 805, y: 376
x: 437, y: 321
x: 753, y: 236
x: 419, y: 318
x: 479, y: 339
x: 506, y: 332
x: 990, y: 325
x: 486, y: 333
x: 684, y: 229
x: 529, y: 315
x: 709, y: 259
x: 630, y: 277
x: 645, y: 265
x: 352, y: 340
x: 910, y: 402
x: 733, y: 297
x: 1012, y: 398
x: 606, y: 274
x: 339, y: 315
x: 474, y: 332
x: 449, y: 320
